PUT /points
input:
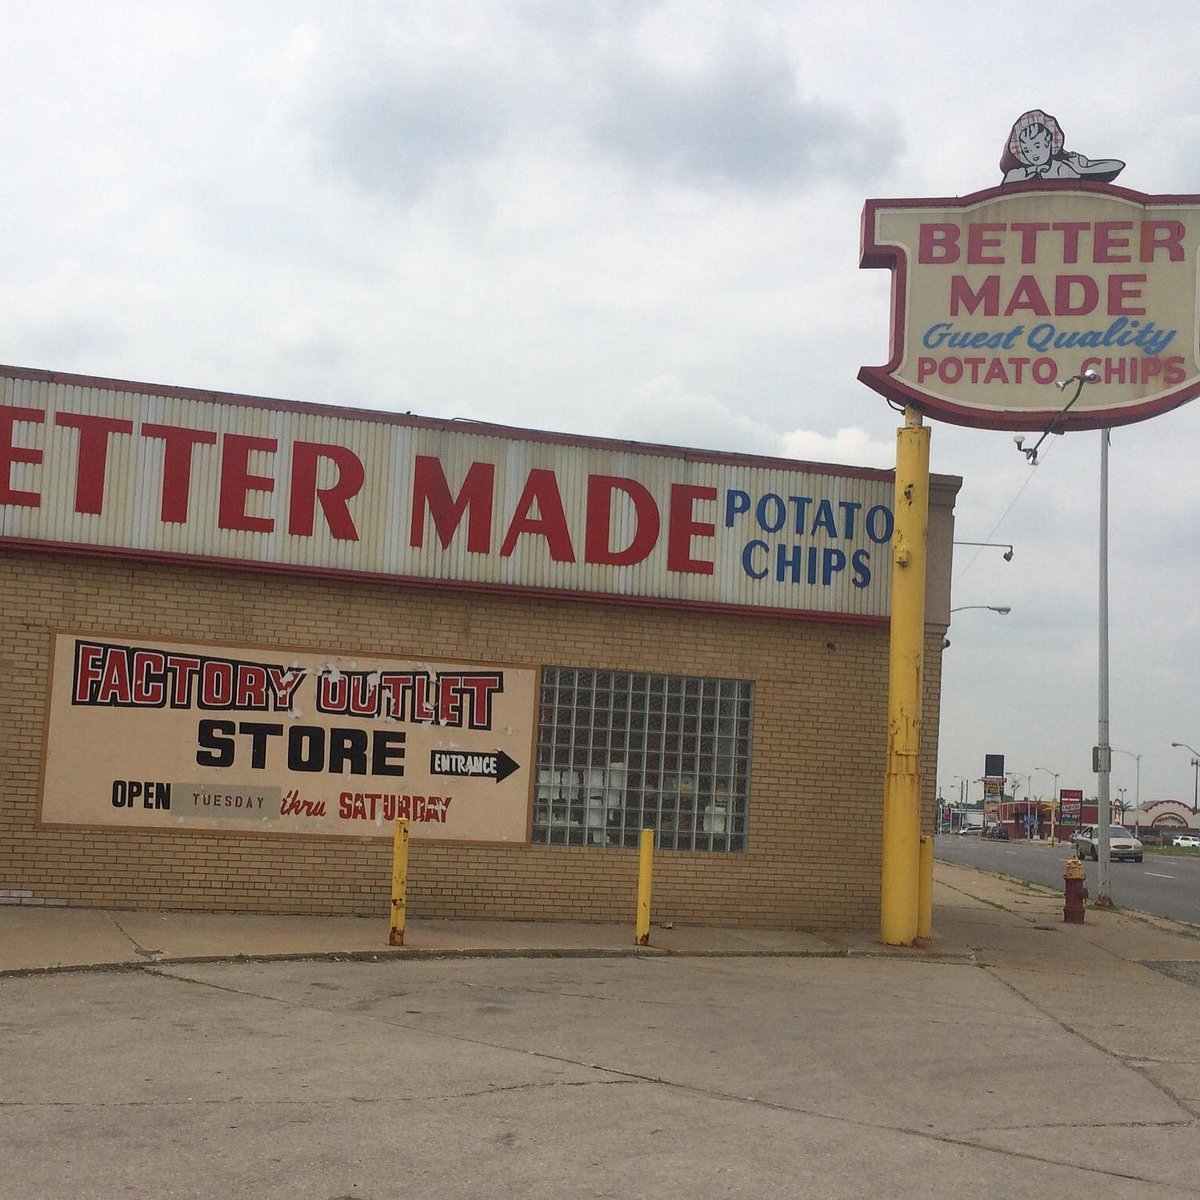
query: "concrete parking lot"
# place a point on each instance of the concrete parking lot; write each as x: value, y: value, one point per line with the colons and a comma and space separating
x: 1014, y: 1057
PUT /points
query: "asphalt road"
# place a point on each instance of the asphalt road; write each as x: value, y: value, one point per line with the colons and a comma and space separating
x: 1167, y: 885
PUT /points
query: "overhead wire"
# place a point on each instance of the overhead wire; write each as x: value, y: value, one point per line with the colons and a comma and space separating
x: 1004, y: 515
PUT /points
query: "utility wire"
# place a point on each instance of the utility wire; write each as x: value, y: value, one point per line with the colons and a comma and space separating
x: 1003, y: 516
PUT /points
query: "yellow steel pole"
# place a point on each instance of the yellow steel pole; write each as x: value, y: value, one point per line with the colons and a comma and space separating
x: 899, y: 878
x: 645, y: 865
x: 925, y: 890
x: 399, y: 882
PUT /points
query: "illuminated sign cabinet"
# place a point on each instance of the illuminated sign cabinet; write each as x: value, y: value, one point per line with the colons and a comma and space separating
x: 1055, y: 274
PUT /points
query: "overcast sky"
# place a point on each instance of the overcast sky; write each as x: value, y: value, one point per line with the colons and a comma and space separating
x: 637, y: 220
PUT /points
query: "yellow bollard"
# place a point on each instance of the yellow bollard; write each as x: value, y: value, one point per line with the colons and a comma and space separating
x: 645, y: 865
x: 399, y: 882
x: 925, y: 890
x: 898, y: 885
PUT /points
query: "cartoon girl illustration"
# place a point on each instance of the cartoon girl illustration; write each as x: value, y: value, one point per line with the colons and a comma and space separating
x: 1035, y: 151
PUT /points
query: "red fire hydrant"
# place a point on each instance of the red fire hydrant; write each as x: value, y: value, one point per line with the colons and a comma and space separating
x: 1075, y: 893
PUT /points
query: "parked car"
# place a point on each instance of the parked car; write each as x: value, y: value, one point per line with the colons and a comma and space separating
x: 968, y: 829
x: 1186, y: 839
x: 1121, y: 844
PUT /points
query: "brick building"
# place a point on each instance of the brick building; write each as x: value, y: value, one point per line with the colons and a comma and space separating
x: 242, y: 636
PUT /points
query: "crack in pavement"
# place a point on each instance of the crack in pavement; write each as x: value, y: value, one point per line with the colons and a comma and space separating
x: 151, y: 955
x: 716, y: 1094
x: 1130, y: 1063
x: 597, y: 996
x: 315, y: 1102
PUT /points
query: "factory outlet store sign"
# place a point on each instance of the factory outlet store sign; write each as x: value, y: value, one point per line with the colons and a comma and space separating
x: 1000, y: 295
x: 163, y: 735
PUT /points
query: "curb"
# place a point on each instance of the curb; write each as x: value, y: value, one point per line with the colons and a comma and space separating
x: 405, y: 953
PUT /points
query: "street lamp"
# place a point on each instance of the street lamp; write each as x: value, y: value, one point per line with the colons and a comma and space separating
x: 1053, y: 800
x: 1137, y: 782
x: 1002, y: 609
x: 1196, y: 764
x: 961, y: 780
x: 1008, y: 550
x: 1079, y: 380
x: 1016, y: 777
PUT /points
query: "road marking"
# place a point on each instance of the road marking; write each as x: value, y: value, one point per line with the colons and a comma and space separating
x: 1157, y: 875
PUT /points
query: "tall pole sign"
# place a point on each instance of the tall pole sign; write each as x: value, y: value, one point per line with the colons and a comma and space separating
x: 1001, y: 294
x: 1000, y: 299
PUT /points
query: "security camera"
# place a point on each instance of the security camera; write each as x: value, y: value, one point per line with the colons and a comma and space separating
x: 1008, y: 555
x: 1020, y: 440
x: 1090, y: 377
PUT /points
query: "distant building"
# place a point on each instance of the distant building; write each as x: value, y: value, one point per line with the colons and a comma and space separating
x: 1163, y: 816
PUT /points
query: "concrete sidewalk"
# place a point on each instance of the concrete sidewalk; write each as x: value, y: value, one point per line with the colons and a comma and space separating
x: 977, y: 917
x: 40, y: 939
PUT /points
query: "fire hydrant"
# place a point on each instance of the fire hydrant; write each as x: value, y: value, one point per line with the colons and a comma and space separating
x: 1075, y: 893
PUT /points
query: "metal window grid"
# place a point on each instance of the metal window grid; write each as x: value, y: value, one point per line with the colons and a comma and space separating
x: 620, y: 751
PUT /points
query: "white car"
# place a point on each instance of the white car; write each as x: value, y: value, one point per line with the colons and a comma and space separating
x: 1121, y: 844
x: 1186, y: 839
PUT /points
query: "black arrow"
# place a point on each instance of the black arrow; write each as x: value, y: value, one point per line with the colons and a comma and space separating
x: 491, y: 764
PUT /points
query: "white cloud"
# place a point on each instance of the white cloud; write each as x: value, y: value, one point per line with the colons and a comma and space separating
x: 851, y: 445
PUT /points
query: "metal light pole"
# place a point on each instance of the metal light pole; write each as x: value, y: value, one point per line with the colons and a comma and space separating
x: 1053, y: 801
x: 1016, y: 777
x: 1196, y: 764
x: 961, y: 780
x: 1103, y: 750
x: 1137, y: 782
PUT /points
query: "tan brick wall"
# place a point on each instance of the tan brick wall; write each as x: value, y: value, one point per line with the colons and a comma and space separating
x: 818, y: 756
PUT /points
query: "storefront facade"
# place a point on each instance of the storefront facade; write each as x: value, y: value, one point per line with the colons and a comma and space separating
x: 243, y: 636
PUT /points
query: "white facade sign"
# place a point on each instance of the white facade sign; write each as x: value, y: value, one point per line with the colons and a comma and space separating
x: 139, y: 470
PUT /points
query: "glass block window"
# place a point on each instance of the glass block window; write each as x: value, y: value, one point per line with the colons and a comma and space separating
x: 621, y: 751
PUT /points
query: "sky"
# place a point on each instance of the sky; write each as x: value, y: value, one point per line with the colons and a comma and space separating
x: 632, y: 220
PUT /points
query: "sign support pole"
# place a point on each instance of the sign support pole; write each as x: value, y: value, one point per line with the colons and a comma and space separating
x: 1103, y: 749
x: 901, y: 868
x: 399, y: 882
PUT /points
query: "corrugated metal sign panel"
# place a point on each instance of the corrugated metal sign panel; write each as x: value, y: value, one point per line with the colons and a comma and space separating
x: 105, y: 465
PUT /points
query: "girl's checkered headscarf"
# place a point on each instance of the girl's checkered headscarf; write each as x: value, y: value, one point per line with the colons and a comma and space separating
x: 1012, y: 151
